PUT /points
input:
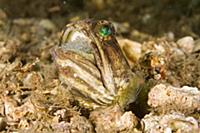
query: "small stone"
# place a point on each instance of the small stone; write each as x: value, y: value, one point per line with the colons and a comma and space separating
x: 113, y: 120
x: 186, y: 44
x: 196, y: 46
x: 146, y: 18
x: 170, y: 36
x: 131, y: 49
x: 47, y: 24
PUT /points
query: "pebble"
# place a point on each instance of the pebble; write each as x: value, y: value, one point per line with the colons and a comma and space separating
x: 196, y: 46
x: 47, y: 25
x: 186, y: 44
x: 131, y: 49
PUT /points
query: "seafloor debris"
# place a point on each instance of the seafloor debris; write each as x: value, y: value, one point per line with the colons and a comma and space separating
x: 32, y: 99
x: 8, y: 49
x: 75, y: 123
x: 169, y: 123
x: 165, y: 98
x: 186, y: 44
x: 113, y: 120
x: 177, y: 63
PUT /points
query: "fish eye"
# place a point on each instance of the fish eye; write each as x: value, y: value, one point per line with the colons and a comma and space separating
x: 105, y: 31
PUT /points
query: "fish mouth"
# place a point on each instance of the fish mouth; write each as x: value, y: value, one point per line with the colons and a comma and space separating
x: 77, y: 42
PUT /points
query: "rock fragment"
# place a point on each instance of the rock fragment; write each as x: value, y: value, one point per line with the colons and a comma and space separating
x: 186, y: 44
x: 165, y: 98
x: 113, y: 120
x: 168, y: 123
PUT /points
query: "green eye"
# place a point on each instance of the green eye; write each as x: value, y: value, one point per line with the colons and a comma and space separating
x: 105, y: 31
